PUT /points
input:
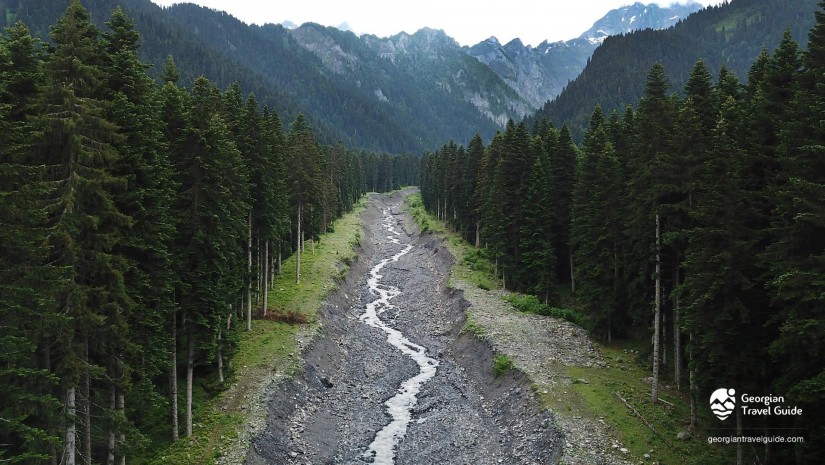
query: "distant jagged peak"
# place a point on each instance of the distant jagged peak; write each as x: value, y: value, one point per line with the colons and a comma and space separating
x: 637, y: 16
x: 515, y: 44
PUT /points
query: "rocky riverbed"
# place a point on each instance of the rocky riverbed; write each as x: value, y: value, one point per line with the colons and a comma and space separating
x: 332, y: 412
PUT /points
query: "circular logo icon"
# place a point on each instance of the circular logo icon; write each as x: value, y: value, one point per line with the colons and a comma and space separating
x: 722, y: 402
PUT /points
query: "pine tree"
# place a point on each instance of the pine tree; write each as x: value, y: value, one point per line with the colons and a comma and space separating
x: 563, y: 160
x: 77, y: 142
x: 537, y: 237
x: 174, y: 102
x: 716, y: 288
x: 472, y: 168
x: 147, y: 200
x: 655, y: 126
x: 303, y: 164
x: 29, y: 283
x: 213, y: 208
x: 506, y: 193
x: 796, y: 254
x: 596, y: 226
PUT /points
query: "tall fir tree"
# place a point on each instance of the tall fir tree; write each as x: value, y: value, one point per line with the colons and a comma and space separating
x: 796, y: 254
x: 77, y: 143
x: 596, y: 226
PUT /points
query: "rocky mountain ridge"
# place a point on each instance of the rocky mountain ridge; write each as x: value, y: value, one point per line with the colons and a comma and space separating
x: 540, y: 73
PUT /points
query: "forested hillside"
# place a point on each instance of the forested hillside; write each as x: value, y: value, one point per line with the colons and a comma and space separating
x: 693, y: 224
x: 376, y: 105
x: 139, y: 224
x: 729, y: 35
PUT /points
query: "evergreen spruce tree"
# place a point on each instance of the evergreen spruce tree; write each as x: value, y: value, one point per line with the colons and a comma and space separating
x: 717, y: 289
x: 303, y: 165
x: 77, y: 143
x: 213, y: 208
x: 655, y: 126
x: 174, y: 102
x: 537, y: 237
x: 596, y: 226
x: 147, y: 200
x: 471, y: 168
x: 29, y: 282
x: 563, y: 161
x: 796, y: 254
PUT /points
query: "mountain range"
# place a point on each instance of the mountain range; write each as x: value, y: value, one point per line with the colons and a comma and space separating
x: 540, y: 73
x: 730, y: 35
x: 413, y: 92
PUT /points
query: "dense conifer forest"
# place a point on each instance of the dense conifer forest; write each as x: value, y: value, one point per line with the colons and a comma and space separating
x: 730, y: 34
x: 696, y: 223
x: 139, y: 224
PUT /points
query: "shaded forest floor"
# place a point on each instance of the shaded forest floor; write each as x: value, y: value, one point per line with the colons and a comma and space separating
x: 580, y: 381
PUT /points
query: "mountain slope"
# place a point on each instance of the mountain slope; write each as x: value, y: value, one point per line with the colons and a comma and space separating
x: 432, y: 94
x: 731, y: 34
x: 425, y: 77
x: 163, y: 35
x: 540, y: 73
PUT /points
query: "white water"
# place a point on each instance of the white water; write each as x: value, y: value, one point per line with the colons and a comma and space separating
x: 400, y: 406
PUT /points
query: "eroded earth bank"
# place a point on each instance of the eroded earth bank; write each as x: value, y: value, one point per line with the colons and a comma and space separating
x: 391, y: 378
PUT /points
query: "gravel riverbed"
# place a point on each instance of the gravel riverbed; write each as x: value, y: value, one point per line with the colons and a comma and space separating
x: 331, y: 412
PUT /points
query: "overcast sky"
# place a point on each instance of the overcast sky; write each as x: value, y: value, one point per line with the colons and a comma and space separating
x: 467, y: 21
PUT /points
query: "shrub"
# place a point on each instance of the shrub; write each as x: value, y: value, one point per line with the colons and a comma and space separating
x: 501, y: 363
x: 531, y: 304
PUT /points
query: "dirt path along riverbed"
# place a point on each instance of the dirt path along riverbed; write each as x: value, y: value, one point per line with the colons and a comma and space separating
x: 391, y: 379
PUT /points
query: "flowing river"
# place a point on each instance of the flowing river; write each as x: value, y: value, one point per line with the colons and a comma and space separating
x: 399, y: 407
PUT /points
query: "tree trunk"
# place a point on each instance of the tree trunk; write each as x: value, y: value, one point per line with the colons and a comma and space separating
x: 47, y: 363
x: 121, y: 437
x: 677, y: 335
x: 258, y: 284
x: 572, y: 276
x: 478, y: 234
x: 266, y: 276
x: 740, y: 452
x: 173, y: 377
x: 71, y: 429
x: 249, y: 277
x: 220, y: 358
x: 657, y: 310
x: 86, y: 407
x: 110, y: 457
x: 312, y: 243
x: 692, y: 385
x: 444, y: 211
x: 190, y: 371
x: 615, y: 293
x: 280, y: 261
x: 298, y: 252
x: 663, y: 329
